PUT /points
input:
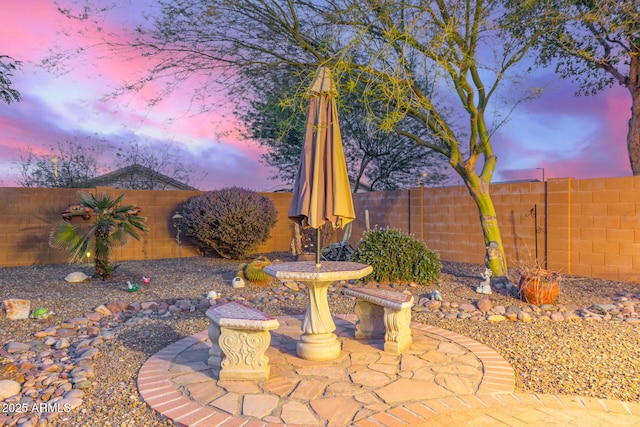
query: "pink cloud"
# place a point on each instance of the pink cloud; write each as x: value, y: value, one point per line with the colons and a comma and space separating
x: 568, y: 136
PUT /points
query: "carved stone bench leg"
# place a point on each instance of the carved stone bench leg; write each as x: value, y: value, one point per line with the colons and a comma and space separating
x: 244, y: 354
x: 398, y: 329
x: 215, y: 353
x: 375, y: 321
x: 370, y: 320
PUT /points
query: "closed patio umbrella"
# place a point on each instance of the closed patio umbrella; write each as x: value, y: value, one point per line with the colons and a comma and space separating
x: 321, y: 192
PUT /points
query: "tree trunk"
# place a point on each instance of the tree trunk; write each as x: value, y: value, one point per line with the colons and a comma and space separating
x: 101, y: 257
x: 633, y: 137
x: 495, y: 259
x: 100, y: 271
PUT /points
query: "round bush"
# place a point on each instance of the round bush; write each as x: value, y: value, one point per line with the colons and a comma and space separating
x: 397, y: 256
x: 232, y: 221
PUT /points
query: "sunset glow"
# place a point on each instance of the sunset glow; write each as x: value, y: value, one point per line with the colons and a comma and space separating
x: 568, y: 136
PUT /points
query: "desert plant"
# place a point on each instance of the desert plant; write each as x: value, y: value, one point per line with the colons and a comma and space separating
x: 112, y: 226
x: 254, y: 271
x: 397, y: 256
x: 232, y: 221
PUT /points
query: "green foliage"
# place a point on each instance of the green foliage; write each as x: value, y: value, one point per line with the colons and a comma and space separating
x: 112, y: 225
x: 397, y: 256
x: 276, y: 118
x: 232, y: 221
x: 107, y: 268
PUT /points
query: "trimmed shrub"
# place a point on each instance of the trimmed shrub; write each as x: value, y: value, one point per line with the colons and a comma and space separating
x: 232, y: 221
x: 397, y: 256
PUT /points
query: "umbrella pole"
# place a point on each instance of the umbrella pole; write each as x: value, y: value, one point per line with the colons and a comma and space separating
x: 318, y: 247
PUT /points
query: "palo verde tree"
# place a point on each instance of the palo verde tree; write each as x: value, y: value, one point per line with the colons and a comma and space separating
x: 428, y: 70
x: 381, y: 160
x: 596, y: 43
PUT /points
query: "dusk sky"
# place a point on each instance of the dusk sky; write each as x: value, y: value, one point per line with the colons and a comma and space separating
x: 568, y: 136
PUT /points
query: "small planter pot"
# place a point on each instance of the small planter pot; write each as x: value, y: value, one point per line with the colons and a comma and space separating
x: 539, y: 288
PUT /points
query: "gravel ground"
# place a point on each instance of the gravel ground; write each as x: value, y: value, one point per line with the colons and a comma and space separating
x: 589, y: 358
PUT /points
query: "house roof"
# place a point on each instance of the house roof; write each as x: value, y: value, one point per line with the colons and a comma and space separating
x: 118, y: 178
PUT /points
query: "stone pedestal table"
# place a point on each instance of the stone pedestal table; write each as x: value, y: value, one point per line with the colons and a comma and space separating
x: 318, y: 342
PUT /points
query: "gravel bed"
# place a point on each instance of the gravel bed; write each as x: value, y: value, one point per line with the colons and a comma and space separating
x: 597, y: 358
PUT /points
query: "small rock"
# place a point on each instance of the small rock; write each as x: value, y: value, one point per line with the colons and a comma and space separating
x: 495, y: 318
x: 499, y: 309
x: 117, y: 307
x: 467, y: 308
x: 82, y: 385
x: 603, y: 308
x: 90, y: 353
x: 76, y: 277
x: 76, y: 321
x: 484, y: 305
x: 62, y: 343
x: 237, y: 282
x: 511, y: 316
x: 557, y: 316
x: 513, y: 309
x: 17, y: 308
x: 65, y: 332
x: 54, y: 367
x: 108, y: 335
x: 73, y: 394
x: 8, y: 388
x: 16, y: 347
x: 69, y: 402
x: 148, y: 305
x: 432, y: 304
x: 570, y: 315
x: 102, y: 309
x: 94, y: 316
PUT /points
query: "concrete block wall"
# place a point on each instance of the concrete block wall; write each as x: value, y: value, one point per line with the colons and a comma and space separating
x: 447, y: 219
x: 27, y: 216
x: 586, y: 227
x: 385, y: 208
x: 600, y: 231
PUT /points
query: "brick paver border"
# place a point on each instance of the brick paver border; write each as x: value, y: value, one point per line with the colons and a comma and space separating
x: 497, y: 383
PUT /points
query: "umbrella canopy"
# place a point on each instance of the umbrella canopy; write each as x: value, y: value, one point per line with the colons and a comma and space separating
x: 321, y: 192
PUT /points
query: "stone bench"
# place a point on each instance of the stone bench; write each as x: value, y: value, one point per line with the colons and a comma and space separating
x: 383, y: 313
x: 239, y: 338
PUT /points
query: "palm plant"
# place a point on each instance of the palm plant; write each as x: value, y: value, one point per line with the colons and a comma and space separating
x: 112, y: 226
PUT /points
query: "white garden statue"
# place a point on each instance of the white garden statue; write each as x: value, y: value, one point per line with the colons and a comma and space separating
x: 485, y: 286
